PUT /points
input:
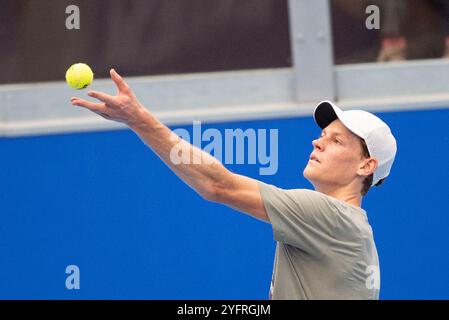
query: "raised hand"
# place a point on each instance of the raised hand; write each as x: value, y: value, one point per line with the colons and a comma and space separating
x: 123, y: 107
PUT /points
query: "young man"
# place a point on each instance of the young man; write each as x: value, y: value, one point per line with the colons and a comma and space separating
x: 325, y: 246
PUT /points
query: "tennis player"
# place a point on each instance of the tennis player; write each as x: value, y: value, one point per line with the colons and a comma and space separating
x: 325, y: 246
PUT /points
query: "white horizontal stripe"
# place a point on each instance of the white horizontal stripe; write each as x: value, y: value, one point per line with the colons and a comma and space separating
x: 44, y: 108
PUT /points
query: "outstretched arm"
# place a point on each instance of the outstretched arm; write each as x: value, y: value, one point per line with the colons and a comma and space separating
x: 202, y: 172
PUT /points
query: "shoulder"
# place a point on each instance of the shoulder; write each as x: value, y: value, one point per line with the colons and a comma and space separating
x: 308, y: 196
x: 305, y: 205
x: 311, y: 202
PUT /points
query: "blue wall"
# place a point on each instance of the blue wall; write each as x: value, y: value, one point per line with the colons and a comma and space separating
x: 105, y: 202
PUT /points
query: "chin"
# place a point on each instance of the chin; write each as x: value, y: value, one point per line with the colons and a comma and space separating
x: 308, y: 173
x: 311, y: 175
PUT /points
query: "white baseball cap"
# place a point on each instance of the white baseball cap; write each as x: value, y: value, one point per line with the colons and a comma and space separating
x: 376, y: 133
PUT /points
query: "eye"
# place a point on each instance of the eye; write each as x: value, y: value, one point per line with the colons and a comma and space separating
x: 337, y: 141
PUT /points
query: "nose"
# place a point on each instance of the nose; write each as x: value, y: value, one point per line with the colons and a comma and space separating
x: 318, y: 144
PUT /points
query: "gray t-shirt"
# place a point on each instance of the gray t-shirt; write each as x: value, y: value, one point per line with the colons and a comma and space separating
x: 325, y: 247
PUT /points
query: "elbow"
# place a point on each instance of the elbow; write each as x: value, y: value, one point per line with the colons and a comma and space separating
x: 210, y: 193
x: 218, y: 190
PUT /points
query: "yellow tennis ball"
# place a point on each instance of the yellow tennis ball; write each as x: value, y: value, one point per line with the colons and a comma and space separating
x: 79, y: 76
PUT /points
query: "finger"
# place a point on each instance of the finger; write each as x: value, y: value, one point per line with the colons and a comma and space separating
x: 122, y: 86
x: 95, y: 107
x: 101, y: 96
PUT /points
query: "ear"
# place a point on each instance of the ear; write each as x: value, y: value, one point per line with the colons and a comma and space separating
x: 367, y: 167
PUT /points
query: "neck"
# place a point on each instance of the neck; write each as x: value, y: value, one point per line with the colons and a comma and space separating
x: 345, y: 194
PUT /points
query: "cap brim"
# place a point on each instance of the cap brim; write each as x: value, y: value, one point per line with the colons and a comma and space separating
x: 326, y: 112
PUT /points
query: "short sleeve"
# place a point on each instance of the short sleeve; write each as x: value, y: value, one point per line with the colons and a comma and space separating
x: 302, y: 218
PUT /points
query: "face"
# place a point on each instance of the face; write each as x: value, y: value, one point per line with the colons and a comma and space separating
x: 337, y: 158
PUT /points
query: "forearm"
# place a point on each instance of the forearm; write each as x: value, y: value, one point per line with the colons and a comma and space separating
x: 194, y: 166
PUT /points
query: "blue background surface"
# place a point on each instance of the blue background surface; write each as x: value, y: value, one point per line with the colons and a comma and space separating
x: 104, y: 202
